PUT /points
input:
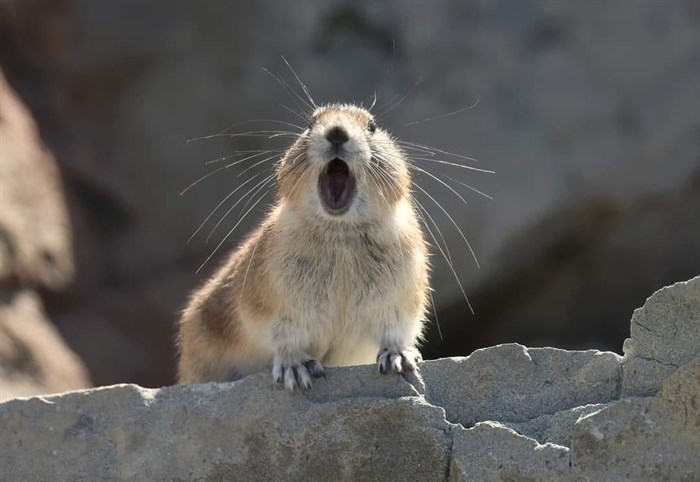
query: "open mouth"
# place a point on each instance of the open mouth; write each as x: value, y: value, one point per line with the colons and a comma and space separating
x: 336, y: 186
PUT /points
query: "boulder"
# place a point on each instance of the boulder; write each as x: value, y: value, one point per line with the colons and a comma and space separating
x: 512, y: 383
x: 36, y: 257
x: 362, y: 426
x: 35, y: 235
x: 665, y: 334
x: 652, y: 438
x: 491, y: 451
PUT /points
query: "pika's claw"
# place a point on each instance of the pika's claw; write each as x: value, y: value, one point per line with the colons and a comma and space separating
x: 296, y: 374
x: 393, y: 361
x: 314, y: 368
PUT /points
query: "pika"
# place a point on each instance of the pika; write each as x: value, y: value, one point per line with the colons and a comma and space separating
x: 336, y: 274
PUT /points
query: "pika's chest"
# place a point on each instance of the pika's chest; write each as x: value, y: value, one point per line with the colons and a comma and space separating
x: 341, y: 277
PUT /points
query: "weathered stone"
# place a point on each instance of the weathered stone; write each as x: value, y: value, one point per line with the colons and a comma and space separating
x: 555, y: 428
x: 491, y: 451
x: 664, y: 334
x: 530, y: 414
x: 511, y: 383
x: 247, y: 430
x: 683, y: 389
x: 360, y: 381
x: 654, y: 438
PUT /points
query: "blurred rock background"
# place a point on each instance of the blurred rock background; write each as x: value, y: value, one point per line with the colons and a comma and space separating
x: 589, y: 113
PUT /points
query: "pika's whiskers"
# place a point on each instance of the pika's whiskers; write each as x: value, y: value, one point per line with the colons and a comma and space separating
x: 221, y: 204
x: 443, y: 116
x: 257, y: 188
x: 219, y: 169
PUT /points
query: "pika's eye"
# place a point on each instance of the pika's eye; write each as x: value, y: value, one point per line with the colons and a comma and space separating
x: 371, y: 126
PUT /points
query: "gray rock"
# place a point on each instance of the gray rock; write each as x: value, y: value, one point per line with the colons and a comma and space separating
x: 665, y: 334
x: 246, y: 430
x: 491, y: 451
x: 555, y: 428
x: 512, y: 383
x: 654, y: 438
x: 521, y: 414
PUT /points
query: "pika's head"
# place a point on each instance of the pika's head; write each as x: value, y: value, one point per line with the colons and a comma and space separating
x: 343, y: 167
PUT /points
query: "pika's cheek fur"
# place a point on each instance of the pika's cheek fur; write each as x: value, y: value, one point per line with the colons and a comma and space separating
x: 336, y: 273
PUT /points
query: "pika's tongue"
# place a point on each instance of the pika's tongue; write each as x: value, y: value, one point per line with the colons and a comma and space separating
x: 336, y: 186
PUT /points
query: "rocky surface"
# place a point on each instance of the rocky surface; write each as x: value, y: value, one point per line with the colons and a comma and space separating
x: 652, y: 354
x: 503, y: 413
x: 652, y: 438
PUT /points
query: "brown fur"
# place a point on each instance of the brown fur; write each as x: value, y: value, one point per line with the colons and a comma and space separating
x: 303, y: 283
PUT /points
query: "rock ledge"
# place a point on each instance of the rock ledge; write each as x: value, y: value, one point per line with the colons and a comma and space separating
x: 507, y: 413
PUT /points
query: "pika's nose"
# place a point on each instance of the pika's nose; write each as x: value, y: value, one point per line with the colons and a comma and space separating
x: 337, y: 136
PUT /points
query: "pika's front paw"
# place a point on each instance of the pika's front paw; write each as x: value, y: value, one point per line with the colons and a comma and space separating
x: 396, y: 361
x: 296, y: 374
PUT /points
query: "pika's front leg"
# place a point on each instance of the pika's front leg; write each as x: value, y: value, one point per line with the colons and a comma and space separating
x: 398, y: 352
x: 292, y: 366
